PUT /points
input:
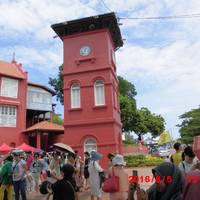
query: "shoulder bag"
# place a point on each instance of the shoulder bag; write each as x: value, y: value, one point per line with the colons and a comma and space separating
x: 111, y: 185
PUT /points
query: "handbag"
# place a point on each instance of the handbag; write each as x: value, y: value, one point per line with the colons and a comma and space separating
x: 111, y: 185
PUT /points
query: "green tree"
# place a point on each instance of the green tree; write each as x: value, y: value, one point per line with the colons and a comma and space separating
x: 190, y: 125
x: 57, y: 119
x: 148, y: 122
x: 128, y: 113
x: 57, y: 84
x: 127, y: 104
x: 126, y: 88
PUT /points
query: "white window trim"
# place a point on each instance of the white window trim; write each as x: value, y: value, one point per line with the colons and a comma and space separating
x: 74, y: 87
x: 11, y: 113
x: 85, y: 149
x: 13, y: 92
x: 95, y: 93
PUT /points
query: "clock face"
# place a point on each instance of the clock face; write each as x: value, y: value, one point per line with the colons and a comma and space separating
x: 85, y: 50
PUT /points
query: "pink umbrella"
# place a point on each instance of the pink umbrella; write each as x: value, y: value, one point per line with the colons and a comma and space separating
x: 4, y: 148
x: 25, y: 147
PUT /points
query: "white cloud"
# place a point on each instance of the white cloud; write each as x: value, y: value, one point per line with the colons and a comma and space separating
x: 45, y: 60
x: 176, y: 62
x: 172, y: 73
x: 34, y: 16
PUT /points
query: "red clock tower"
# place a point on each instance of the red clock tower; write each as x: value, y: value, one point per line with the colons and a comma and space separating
x: 91, y: 104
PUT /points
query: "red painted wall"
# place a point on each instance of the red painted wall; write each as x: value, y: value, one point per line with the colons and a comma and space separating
x: 14, y: 134
x: 101, y: 123
x: 135, y: 149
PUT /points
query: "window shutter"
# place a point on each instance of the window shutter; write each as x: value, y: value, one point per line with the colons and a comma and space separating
x: 8, y: 116
x: 99, y: 93
x: 9, y: 87
x: 75, y: 96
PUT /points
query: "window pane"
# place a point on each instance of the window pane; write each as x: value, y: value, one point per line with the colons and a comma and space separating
x: 75, y: 96
x: 9, y: 87
x: 99, y: 93
x: 8, y: 116
x: 90, y: 145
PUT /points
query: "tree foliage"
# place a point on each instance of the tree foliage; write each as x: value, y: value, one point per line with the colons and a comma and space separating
x: 148, y: 122
x: 128, y: 113
x: 57, y: 84
x: 190, y: 125
x: 57, y: 119
x: 140, y: 121
x: 126, y: 88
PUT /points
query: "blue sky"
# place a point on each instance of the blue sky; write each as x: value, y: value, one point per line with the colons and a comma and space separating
x: 161, y: 57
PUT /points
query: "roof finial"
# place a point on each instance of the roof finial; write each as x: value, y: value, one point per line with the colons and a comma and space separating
x: 13, y: 59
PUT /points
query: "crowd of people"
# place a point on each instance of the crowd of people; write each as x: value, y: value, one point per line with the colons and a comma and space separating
x: 64, y: 175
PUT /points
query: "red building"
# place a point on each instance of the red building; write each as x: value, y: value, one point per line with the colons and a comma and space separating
x: 91, y: 105
x: 22, y: 105
x: 13, y: 91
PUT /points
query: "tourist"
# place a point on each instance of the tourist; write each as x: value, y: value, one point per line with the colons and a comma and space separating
x: 118, y: 170
x: 94, y: 169
x: 86, y: 172
x: 6, y: 178
x: 54, y: 165
x: 192, y: 185
x: 65, y: 188
x: 19, y: 173
x: 29, y: 160
x: 110, y: 156
x: 78, y: 165
x: 45, y: 165
x: 29, y: 179
x: 35, y: 170
x: 169, y: 189
x: 176, y: 158
x: 71, y: 157
x: 186, y: 165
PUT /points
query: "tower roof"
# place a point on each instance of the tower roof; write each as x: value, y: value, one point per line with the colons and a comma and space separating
x: 12, y: 69
x: 92, y: 23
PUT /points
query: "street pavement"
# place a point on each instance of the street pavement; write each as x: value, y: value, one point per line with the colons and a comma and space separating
x: 142, y: 172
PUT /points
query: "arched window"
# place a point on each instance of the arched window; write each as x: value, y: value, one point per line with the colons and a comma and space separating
x: 75, y: 96
x: 99, y: 93
x: 90, y: 145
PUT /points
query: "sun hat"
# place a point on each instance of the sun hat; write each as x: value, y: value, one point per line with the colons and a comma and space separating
x: 95, y: 156
x: 118, y: 160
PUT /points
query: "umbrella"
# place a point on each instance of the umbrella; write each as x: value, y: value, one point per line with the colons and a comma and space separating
x: 4, y: 148
x: 64, y: 147
x: 38, y: 151
x: 25, y: 147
